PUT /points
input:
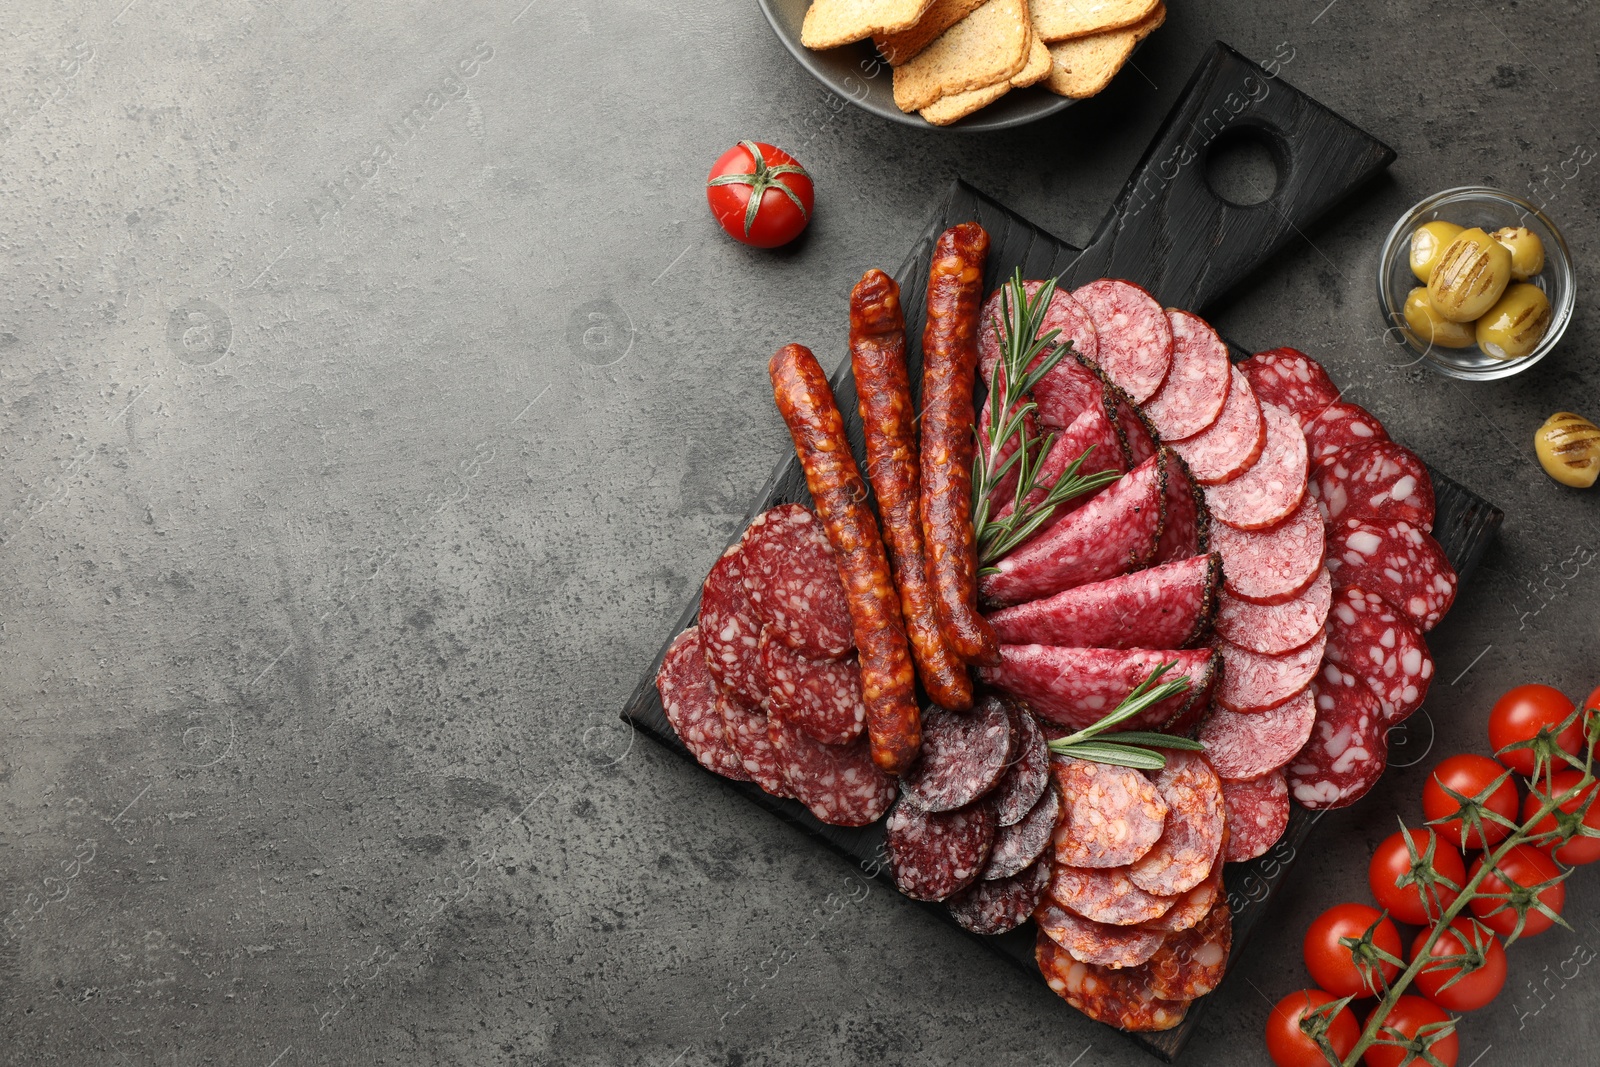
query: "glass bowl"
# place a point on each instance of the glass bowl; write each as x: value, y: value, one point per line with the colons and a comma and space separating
x: 1490, y: 209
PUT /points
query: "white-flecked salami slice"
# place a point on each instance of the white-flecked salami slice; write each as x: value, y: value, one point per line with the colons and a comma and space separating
x: 1068, y: 388
x: 1137, y: 433
x: 1292, y: 380
x: 1118, y: 997
x: 1077, y: 686
x: 1275, y: 565
x: 822, y: 697
x: 1098, y: 943
x: 1186, y: 527
x: 1197, y: 385
x: 1253, y: 682
x: 1349, y: 745
x: 1028, y: 774
x: 1229, y: 446
x: 1276, y: 628
x: 1240, y: 746
x: 1198, y: 704
x: 1371, y: 640
x: 1168, y: 606
x: 1191, y: 964
x: 1135, y: 337
x: 1381, y: 483
x: 1020, y: 844
x: 1188, y: 909
x: 839, y: 784
x: 693, y: 705
x: 792, y: 579
x: 964, y: 755
x: 1269, y: 491
x: 1398, y: 562
x: 1113, y: 815
x: 730, y: 631
x: 1004, y: 489
x: 995, y: 907
x: 1339, y: 427
x: 1105, y: 894
x: 748, y: 734
x: 1258, y: 813
x: 1092, y: 436
x: 1192, y: 837
x: 936, y: 854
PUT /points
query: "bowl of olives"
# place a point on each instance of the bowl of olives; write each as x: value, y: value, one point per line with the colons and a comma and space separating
x: 1478, y: 282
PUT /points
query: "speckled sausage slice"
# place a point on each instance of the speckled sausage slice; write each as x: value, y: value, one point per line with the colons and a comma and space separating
x: 1398, y: 562
x: 692, y: 704
x: 1091, y: 435
x: 1119, y: 998
x: 1196, y: 904
x: 1276, y: 628
x: 1197, y: 385
x: 1192, y: 838
x: 1161, y: 607
x: 1229, y: 446
x: 1371, y: 640
x: 1349, y: 745
x: 1338, y: 427
x: 1077, y: 686
x: 840, y: 784
x: 1134, y: 333
x: 730, y: 630
x: 1292, y: 380
x: 1258, y: 813
x: 1068, y: 389
x: 1191, y: 964
x: 1106, y: 895
x: 1270, y: 490
x: 997, y: 906
x: 1186, y: 527
x: 1381, y: 483
x: 747, y: 731
x: 1240, y: 746
x: 1022, y: 843
x: 1254, y: 682
x: 964, y: 755
x: 822, y: 697
x: 1137, y: 433
x: 935, y: 854
x: 1098, y: 943
x: 792, y: 579
x: 1276, y: 565
x: 1028, y: 775
x: 1112, y: 817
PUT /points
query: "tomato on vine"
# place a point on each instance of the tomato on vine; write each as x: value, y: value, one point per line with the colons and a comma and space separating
x: 1576, y: 850
x: 1481, y: 966
x: 1511, y: 883
x: 760, y: 194
x: 1519, y: 715
x: 1469, y: 776
x: 1345, y: 971
x: 1290, y: 1046
x: 1422, y: 1025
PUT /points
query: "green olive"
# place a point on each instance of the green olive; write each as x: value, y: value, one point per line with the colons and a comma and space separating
x: 1568, y: 447
x: 1426, y: 322
x: 1527, y: 251
x: 1514, y: 326
x: 1426, y: 244
x: 1471, y: 273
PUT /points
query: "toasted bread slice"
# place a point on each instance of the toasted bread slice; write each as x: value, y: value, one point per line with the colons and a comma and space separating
x: 988, y: 46
x: 901, y: 47
x: 831, y: 23
x: 956, y: 106
x: 1062, y: 20
x: 1082, y: 67
x: 1037, y: 68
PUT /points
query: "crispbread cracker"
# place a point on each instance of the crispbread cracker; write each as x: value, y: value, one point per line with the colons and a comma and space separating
x: 948, y: 109
x: 900, y: 47
x: 1038, y: 67
x: 988, y: 46
x: 1086, y: 65
x: 831, y: 23
x: 1061, y: 20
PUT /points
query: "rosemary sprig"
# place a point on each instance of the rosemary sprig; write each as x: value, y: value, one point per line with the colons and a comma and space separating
x: 1130, y: 748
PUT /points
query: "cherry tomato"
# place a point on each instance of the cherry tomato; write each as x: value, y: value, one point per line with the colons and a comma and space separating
x: 1333, y: 966
x: 1392, y: 861
x: 1593, y: 699
x: 1521, y: 714
x: 1289, y: 1046
x: 1468, y: 775
x: 1480, y: 984
x: 1577, y: 850
x: 1523, y: 867
x: 1410, y: 1015
x: 760, y: 194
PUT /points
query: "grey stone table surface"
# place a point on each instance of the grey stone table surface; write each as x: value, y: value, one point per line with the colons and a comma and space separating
x: 374, y: 389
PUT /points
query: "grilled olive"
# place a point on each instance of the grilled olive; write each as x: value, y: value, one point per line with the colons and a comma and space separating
x: 1527, y: 251
x: 1426, y: 244
x: 1472, y: 272
x: 1513, y: 327
x: 1569, y: 449
x: 1426, y: 322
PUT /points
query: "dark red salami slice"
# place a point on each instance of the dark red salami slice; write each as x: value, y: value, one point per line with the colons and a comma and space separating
x: 1275, y: 565
x: 1381, y: 482
x: 964, y: 755
x: 1292, y: 380
x: 822, y: 697
x: 747, y: 733
x: 1338, y: 427
x: 1197, y: 385
x: 1112, y: 534
x: 1134, y: 335
x: 1253, y: 682
x: 1003, y: 904
x: 1098, y: 943
x: 1258, y: 813
x: 730, y: 631
x: 1005, y: 489
x: 1192, y: 838
x: 1116, y: 997
x: 1191, y: 964
x: 1068, y: 388
x: 1020, y: 844
x: 692, y: 704
x: 1198, y: 704
x: 1106, y: 895
x: 1370, y: 640
x: 1398, y: 562
x: 1240, y: 746
x: 1349, y: 745
x: 1268, y: 492
x: 1078, y: 686
x: 1276, y: 628
x: 1113, y: 815
x: 1186, y: 528
x: 1028, y: 775
x: 1196, y: 904
x: 1162, y: 607
x: 935, y: 854
x: 1091, y: 435
x: 1228, y: 447
x: 792, y: 579
x: 1135, y: 431
x: 838, y: 783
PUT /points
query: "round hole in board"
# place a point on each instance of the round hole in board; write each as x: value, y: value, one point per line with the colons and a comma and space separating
x: 1241, y: 167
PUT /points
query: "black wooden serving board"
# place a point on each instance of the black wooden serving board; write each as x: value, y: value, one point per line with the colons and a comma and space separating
x: 1170, y: 233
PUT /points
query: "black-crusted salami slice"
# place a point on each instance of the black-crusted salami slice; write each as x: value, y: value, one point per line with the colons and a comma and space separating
x: 1186, y: 527
x: 1192, y: 396
x: 1028, y: 774
x: 730, y: 631
x: 1198, y: 703
x: 1292, y: 380
x: 1068, y: 388
x: 998, y: 906
x: 1078, y: 686
x: 1192, y: 837
x: 1112, y: 815
x: 1276, y: 628
x: 1240, y: 746
x: 1381, y: 483
x: 1188, y: 909
x: 693, y: 706
x: 1275, y: 565
x: 839, y: 784
x: 1116, y: 997
x: 1349, y: 744
x: 964, y: 755
x: 1135, y: 431
x: 1191, y: 964
x: 1339, y: 427
x: 1228, y: 447
x: 1020, y: 844
x: 1092, y: 436
x: 1398, y: 562
x: 1134, y: 335
x: 822, y: 697
x: 1258, y: 814
x: 1098, y: 943
x: 1254, y: 682
x: 1370, y: 640
x: 1106, y: 895
x: 1269, y: 491
x: 792, y: 579
x: 936, y: 854
x: 747, y: 731
x: 1167, y: 606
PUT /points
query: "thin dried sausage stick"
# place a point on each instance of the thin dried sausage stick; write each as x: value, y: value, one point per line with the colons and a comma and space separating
x: 894, y: 725
x: 883, y: 389
x: 949, y: 363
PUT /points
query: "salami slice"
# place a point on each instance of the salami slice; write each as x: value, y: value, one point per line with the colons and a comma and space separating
x: 1338, y: 427
x: 730, y: 631
x: 1028, y: 774
x: 1112, y: 534
x: 1098, y: 943
x: 839, y: 784
x: 964, y: 755
x: 1186, y: 529
x: 1068, y: 388
x: 1135, y: 338
x: 1168, y: 606
x: 1275, y: 565
x: 1292, y: 380
x: 1091, y: 435
x: 1191, y: 964
x: 1003, y: 904
x: 1268, y: 492
x: 1370, y: 640
x: 1113, y: 815
x: 792, y: 579
x: 1398, y: 562
x: 1276, y: 628
x: 822, y: 697
x: 1198, y: 704
x: 747, y: 733
x: 1020, y: 844
x: 1240, y: 746
x: 1197, y: 385
x: 693, y: 706
x: 1381, y: 482
x: 1196, y: 904
x: 1253, y: 682
x: 1349, y: 745
x: 935, y: 854
x: 1192, y: 837
x: 1077, y: 686
x: 1228, y: 447
x: 1004, y: 489
x: 1134, y: 429
x: 1120, y: 998
x: 1106, y: 895
x: 1258, y: 813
